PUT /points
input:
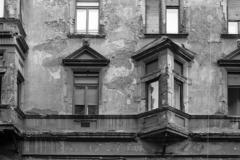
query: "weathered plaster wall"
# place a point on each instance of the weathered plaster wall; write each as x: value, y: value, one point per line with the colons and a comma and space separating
x: 47, y: 24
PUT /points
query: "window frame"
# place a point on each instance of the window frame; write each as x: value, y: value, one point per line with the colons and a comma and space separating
x: 237, y: 21
x: 87, y: 16
x: 178, y: 8
x: 147, y: 93
x: 85, y: 93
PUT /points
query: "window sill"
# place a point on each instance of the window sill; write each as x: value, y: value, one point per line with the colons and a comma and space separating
x: 230, y: 36
x: 76, y: 35
x: 180, y: 35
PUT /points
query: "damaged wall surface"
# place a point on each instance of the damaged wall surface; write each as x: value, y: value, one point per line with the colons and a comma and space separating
x: 41, y: 49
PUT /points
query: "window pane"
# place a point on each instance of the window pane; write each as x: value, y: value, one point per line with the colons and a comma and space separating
x: 79, y: 95
x: 92, y: 95
x: 153, y: 95
x: 234, y: 79
x: 233, y: 27
x: 234, y: 101
x: 81, y: 20
x: 172, y: 20
x: 92, y: 110
x: 1, y: 8
x: 86, y: 80
x: 178, y: 67
x: 177, y: 94
x: 80, y: 110
x: 151, y: 66
x: 93, y: 21
x: 152, y: 16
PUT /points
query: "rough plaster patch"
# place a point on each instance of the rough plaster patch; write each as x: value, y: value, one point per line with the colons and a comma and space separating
x: 55, y: 75
x: 114, y: 72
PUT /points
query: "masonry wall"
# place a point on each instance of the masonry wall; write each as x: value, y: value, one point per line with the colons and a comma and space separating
x: 47, y: 24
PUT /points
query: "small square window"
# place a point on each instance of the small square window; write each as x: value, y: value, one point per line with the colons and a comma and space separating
x: 232, y: 27
x: 1, y: 8
x: 87, y: 17
x: 86, y: 93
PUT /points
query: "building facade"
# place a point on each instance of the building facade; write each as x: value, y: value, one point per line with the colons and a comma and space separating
x: 119, y: 79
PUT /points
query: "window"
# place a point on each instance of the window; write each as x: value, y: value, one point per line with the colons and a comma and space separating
x: 86, y: 93
x: 153, y: 92
x: 1, y: 8
x: 84, y: 82
x: 87, y: 16
x: 152, y: 84
x: 178, y: 85
x: 154, y: 11
x: 234, y: 93
x: 20, y: 80
x: 233, y: 16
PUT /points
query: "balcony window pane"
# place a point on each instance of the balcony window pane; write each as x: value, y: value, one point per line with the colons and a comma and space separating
x: 172, y: 20
x: 93, y: 21
x: 1, y: 8
x: 79, y: 95
x: 153, y: 95
x: 81, y: 20
x: 177, y: 94
x: 233, y: 27
x: 92, y: 94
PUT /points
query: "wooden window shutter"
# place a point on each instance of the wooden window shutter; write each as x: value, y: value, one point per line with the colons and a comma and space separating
x: 233, y: 10
x: 152, y: 16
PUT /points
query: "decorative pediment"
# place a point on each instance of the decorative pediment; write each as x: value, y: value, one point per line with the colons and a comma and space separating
x: 160, y: 44
x: 85, y: 56
x: 231, y: 60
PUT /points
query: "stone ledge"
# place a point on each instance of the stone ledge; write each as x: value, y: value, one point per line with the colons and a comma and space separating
x: 179, y: 35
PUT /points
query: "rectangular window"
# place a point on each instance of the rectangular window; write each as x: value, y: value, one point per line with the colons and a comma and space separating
x: 153, y: 95
x: 234, y: 93
x: 87, y: 17
x: 178, y: 94
x: 151, y: 66
x: 20, y: 81
x: 233, y: 16
x: 86, y: 93
x: 178, y: 67
x: 172, y: 20
x: 1, y: 8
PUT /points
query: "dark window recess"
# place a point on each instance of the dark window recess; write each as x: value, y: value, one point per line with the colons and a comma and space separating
x: 151, y: 66
x: 233, y: 16
x: 178, y: 67
x: 234, y: 93
x: 86, y: 93
x: 178, y: 95
x: 1, y: 89
x: 1, y: 59
x: 85, y: 124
